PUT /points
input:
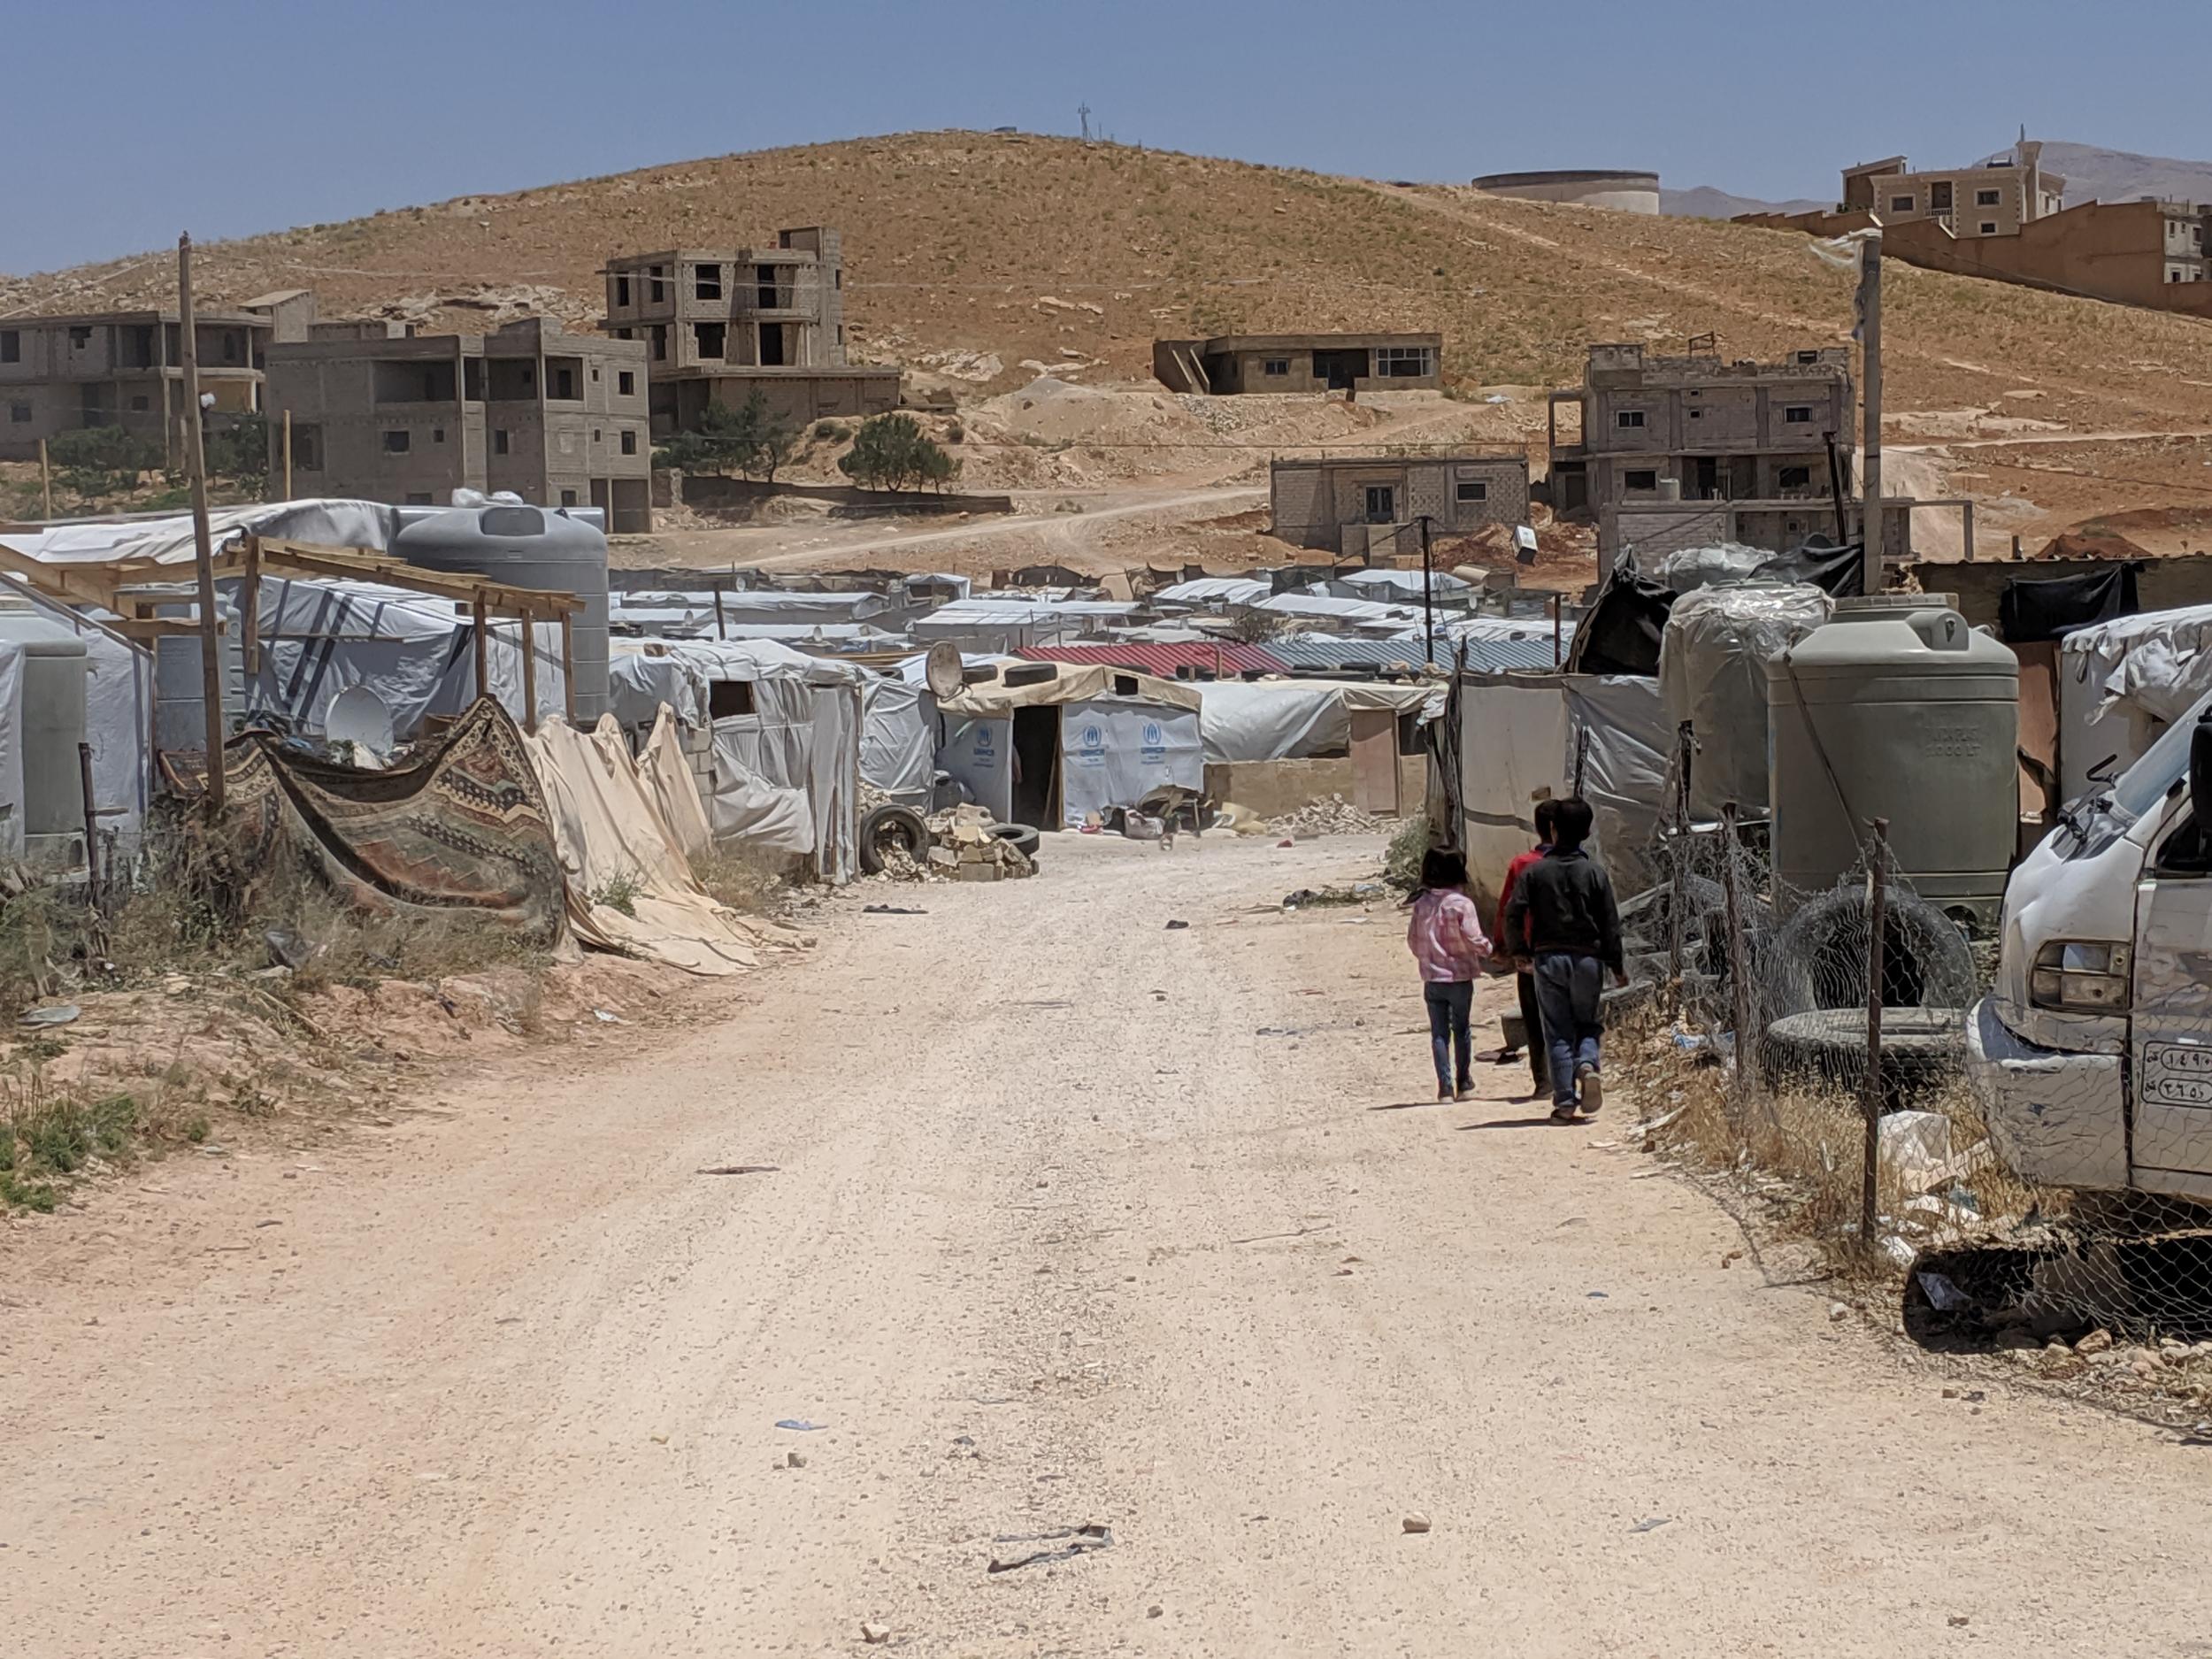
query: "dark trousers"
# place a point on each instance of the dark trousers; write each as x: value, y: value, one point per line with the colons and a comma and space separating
x: 1449, y: 1039
x: 1532, y: 1022
x: 1570, y: 989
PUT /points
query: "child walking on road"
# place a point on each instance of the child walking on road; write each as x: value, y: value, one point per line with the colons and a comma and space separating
x: 1446, y: 940
x: 1517, y: 947
x: 1563, y: 905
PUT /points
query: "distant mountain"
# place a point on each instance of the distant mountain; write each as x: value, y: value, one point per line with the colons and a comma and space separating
x: 1705, y: 202
x: 2115, y: 175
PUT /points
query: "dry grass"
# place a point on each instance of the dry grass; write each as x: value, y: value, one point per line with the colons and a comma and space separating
x: 749, y: 881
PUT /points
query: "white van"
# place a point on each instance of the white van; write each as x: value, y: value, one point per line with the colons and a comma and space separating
x: 2091, y: 1054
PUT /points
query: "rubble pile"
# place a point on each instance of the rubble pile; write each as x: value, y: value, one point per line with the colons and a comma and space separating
x: 963, y: 849
x: 1335, y: 815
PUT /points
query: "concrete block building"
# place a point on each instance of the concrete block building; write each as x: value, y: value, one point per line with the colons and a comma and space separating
x: 384, y: 414
x: 1301, y: 363
x: 1370, y: 506
x: 1697, y: 428
x: 1993, y: 199
x: 126, y: 369
x: 718, y: 324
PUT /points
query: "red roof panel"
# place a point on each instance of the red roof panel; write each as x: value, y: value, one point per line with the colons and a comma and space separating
x: 1224, y: 661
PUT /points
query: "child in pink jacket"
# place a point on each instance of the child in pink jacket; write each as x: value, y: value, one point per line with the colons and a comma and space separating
x: 1447, y: 942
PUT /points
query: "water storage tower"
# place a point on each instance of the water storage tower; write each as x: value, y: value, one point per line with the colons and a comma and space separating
x: 538, y: 548
x: 1897, y: 710
x: 1622, y: 189
x: 50, y: 716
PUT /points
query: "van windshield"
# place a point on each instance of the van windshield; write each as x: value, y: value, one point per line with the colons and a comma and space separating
x: 2140, y: 788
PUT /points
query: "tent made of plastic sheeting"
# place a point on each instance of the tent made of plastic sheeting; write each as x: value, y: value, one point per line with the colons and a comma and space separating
x: 1525, y: 738
x: 1364, y: 613
x: 119, y: 719
x: 2123, y: 682
x: 1713, y: 655
x: 898, y: 740
x: 610, y: 825
x: 1292, y: 720
x: 1211, y: 591
x: 1052, y: 752
x: 915, y: 670
x: 320, y: 638
x: 785, y: 727
x: 1005, y: 624
x: 1396, y: 587
x: 168, y: 540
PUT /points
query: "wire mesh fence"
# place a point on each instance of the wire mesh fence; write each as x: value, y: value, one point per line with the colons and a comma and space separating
x: 1813, y: 1047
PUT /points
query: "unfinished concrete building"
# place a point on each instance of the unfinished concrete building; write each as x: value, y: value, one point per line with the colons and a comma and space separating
x: 383, y: 414
x: 1301, y: 363
x: 1697, y: 428
x: 1992, y: 199
x: 126, y: 369
x: 1370, y: 506
x: 719, y: 324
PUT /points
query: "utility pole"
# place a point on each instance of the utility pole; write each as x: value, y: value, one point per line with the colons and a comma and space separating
x: 1083, y: 114
x: 1870, y: 390
x: 1428, y: 593
x: 203, y: 547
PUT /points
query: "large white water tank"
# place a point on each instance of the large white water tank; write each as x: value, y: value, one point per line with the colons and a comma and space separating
x: 1896, y: 709
x: 539, y: 548
x: 50, y: 725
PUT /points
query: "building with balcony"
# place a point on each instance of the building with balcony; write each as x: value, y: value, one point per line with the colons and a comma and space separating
x: 720, y: 324
x: 1301, y: 363
x: 380, y: 413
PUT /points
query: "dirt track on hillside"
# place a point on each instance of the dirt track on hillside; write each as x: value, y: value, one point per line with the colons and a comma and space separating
x: 1073, y: 1220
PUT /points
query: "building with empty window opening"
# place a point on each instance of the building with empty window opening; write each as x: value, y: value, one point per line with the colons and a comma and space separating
x: 719, y: 324
x: 1645, y: 429
x: 1370, y: 506
x: 1301, y: 363
x: 381, y: 413
x: 126, y: 369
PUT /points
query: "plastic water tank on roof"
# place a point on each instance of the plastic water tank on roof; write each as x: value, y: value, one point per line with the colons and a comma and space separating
x: 1897, y: 710
x: 537, y: 547
x: 50, y: 724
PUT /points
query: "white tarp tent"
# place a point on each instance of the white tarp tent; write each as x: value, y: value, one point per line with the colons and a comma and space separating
x: 1115, y: 752
x: 786, y: 765
x: 1292, y: 720
x: 118, y: 718
x: 1115, y: 737
x: 898, y: 740
x: 1712, y: 675
x: 1618, y: 745
x: 2121, y: 683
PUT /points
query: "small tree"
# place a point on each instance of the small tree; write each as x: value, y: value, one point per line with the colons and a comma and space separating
x: 773, y: 438
x: 97, y: 461
x: 750, y: 438
x: 238, y: 449
x: 893, y: 452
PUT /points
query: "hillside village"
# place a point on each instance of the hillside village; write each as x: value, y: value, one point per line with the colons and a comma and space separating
x: 712, y: 884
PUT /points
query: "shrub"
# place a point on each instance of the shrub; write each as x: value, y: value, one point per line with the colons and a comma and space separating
x: 97, y: 461
x: 750, y: 438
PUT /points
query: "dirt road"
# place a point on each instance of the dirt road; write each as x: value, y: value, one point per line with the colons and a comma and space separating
x: 1073, y: 1219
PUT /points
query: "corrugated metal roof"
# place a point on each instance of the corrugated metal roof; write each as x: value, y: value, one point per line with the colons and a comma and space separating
x: 1153, y: 657
x: 1329, y: 651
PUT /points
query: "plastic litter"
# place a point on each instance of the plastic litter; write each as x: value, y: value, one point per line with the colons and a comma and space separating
x: 60, y: 1014
x: 1943, y: 1295
x: 800, y: 1424
x: 1176, y: 926
x: 1068, y: 1541
x: 893, y: 910
x: 1653, y: 1524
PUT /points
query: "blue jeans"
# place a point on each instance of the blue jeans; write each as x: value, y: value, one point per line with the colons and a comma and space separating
x: 1569, y: 989
x: 1449, y: 1001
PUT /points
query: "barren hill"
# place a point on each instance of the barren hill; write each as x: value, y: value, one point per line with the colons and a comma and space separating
x: 964, y: 248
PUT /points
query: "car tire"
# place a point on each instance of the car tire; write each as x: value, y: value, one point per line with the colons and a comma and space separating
x: 888, y: 827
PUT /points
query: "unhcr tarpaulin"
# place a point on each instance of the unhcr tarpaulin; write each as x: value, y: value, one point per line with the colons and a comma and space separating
x: 462, y: 828
x: 629, y: 887
x: 1114, y: 754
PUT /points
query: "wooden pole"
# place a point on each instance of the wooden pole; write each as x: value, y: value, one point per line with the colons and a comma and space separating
x: 720, y: 632
x: 249, y: 605
x: 568, y: 666
x: 1428, y: 593
x: 1871, y: 342
x: 91, y: 825
x: 1870, y: 1084
x: 1739, y: 964
x: 529, y: 676
x: 287, y: 455
x: 203, y: 547
x: 45, y: 479
x: 1558, y: 645
x: 483, y: 649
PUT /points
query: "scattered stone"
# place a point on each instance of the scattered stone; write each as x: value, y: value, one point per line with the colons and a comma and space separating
x: 795, y: 1460
x: 1416, y: 1523
x: 1153, y: 1611
x: 1838, y: 1312
x: 1335, y: 815
x: 2096, y: 1343
x: 874, y: 1634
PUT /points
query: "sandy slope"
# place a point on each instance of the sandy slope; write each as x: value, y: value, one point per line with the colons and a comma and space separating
x: 1057, y: 1235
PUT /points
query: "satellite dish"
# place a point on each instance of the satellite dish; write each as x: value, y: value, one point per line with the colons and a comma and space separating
x: 942, y: 670
x: 359, y: 717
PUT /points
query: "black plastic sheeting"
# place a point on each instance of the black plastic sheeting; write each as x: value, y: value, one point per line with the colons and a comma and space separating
x: 1622, y: 633
x: 2029, y: 610
x: 1839, y: 572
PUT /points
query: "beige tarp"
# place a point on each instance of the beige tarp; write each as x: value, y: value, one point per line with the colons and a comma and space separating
x: 616, y: 841
x: 668, y: 778
x: 1076, y: 682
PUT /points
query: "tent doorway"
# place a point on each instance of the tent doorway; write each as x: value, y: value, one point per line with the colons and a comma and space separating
x: 1036, y: 765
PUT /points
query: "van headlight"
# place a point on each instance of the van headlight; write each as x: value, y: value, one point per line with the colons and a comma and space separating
x: 2081, y: 976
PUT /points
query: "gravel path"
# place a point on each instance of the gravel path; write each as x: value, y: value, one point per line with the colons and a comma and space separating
x: 1073, y: 1220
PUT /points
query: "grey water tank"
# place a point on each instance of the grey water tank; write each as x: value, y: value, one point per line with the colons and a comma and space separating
x: 1896, y: 709
x: 539, y: 548
x: 50, y: 724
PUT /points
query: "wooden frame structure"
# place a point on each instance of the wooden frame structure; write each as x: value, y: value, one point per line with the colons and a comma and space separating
x: 127, y: 588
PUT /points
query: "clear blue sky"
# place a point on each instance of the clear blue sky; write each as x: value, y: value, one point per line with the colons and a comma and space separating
x: 128, y: 120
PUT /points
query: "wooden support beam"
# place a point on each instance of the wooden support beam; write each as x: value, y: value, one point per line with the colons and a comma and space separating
x: 249, y: 598
x: 568, y: 666
x: 45, y: 479
x: 529, y: 675
x: 483, y: 650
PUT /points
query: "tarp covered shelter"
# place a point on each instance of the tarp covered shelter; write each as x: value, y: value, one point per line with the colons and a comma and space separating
x: 2123, y: 682
x: 898, y: 740
x: 1052, y: 751
x: 1294, y: 720
x: 1712, y: 675
x: 785, y: 766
